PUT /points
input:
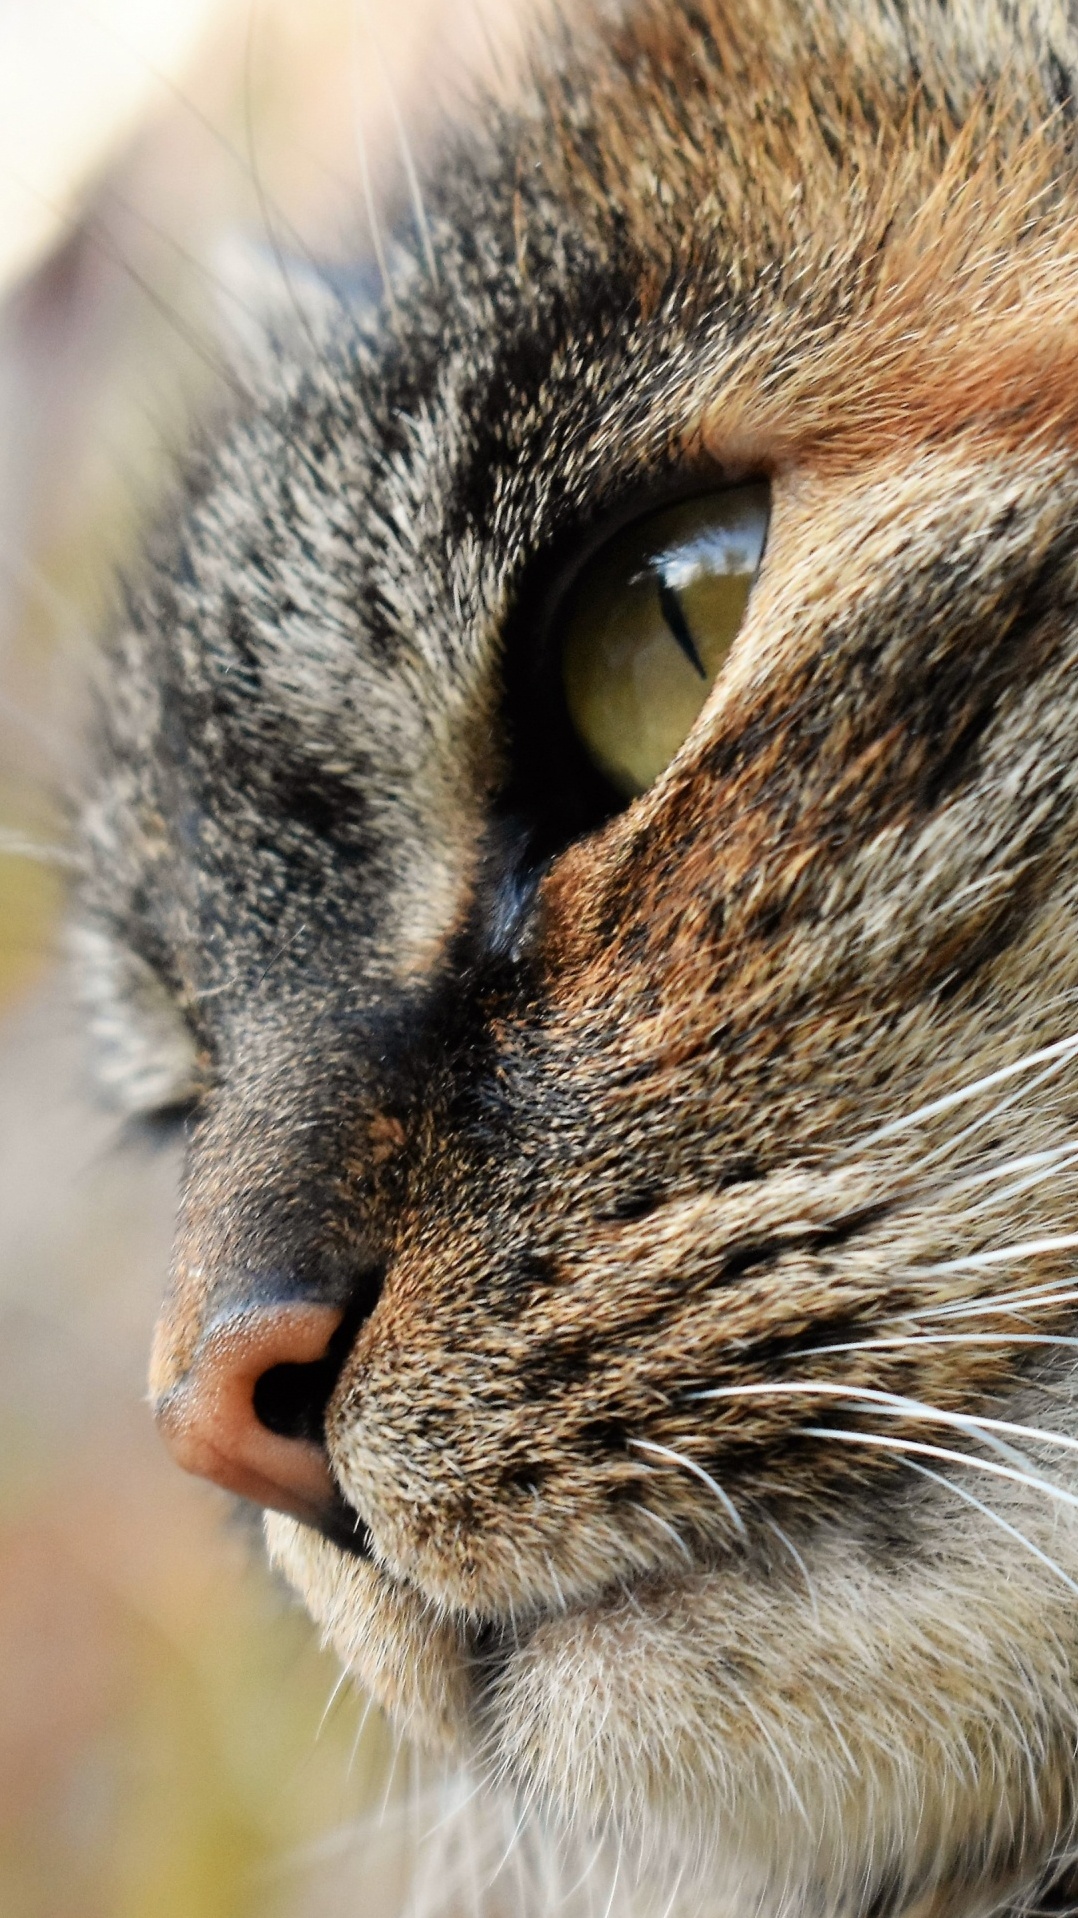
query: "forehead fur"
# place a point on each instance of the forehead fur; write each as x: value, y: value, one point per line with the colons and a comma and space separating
x: 894, y: 180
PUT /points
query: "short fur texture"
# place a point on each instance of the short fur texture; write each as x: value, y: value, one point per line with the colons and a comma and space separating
x: 701, y: 1184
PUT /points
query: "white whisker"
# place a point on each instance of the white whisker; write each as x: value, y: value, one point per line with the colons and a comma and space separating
x: 1028, y: 1161
x: 14, y: 845
x: 674, y: 1895
x: 454, y: 1810
x: 1036, y: 1295
x: 690, y: 1465
x: 665, y: 1526
x: 404, y: 147
x: 556, y: 1582
x: 889, y: 1402
x: 391, y: 1774
x: 367, y: 184
x: 360, y: 1729
x: 799, y: 1562
x: 888, y: 1442
x: 1052, y: 1164
x: 983, y: 1261
x: 342, y: 1680
x: 514, y: 1838
x: 855, y: 1769
x: 758, y: 1720
x: 963, y: 1492
x: 948, y: 1147
x: 613, y: 1887
x: 901, y: 1342
x: 1057, y: 1055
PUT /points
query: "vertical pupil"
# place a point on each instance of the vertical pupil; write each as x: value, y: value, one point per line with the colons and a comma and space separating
x: 674, y: 614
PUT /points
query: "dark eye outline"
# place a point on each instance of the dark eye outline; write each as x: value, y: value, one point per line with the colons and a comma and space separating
x: 161, y: 1126
x: 554, y: 793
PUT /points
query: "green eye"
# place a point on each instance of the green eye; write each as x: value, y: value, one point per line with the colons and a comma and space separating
x: 650, y: 622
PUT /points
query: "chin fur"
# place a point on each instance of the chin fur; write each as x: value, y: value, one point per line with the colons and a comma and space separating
x: 702, y: 1728
x: 395, y: 1644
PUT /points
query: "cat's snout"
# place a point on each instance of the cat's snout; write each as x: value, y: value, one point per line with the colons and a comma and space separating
x: 249, y: 1410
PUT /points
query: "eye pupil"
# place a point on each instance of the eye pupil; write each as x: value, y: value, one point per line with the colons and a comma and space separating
x: 674, y: 615
x: 683, y: 573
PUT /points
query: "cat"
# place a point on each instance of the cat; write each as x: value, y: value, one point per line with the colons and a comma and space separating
x: 583, y: 837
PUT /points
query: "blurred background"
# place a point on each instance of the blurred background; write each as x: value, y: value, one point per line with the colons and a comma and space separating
x: 171, y: 1741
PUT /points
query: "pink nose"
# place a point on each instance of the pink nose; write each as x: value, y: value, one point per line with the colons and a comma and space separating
x: 245, y: 1412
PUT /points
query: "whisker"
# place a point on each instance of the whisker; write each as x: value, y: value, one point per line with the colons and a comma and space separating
x: 255, y: 171
x: 510, y: 1848
x: 274, y: 217
x: 963, y: 1492
x: 1057, y: 1055
x: 665, y: 1526
x: 1046, y: 1294
x: 360, y: 1729
x: 188, y: 105
x: 798, y: 1561
x: 216, y: 363
x: 367, y: 184
x: 761, y: 1725
x: 556, y: 1582
x: 1051, y: 1156
x: 226, y: 292
x: 948, y: 1147
x: 452, y: 1811
x: 613, y: 1886
x: 16, y: 846
x: 891, y: 1401
x: 589, y: 1867
x: 342, y: 1680
x: 899, y: 1343
x: 404, y: 146
x: 1052, y: 1163
x: 855, y: 1769
x: 668, y: 1908
x: 983, y: 1261
x: 391, y: 1774
x: 690, y: 1465
x: 888, y: 1442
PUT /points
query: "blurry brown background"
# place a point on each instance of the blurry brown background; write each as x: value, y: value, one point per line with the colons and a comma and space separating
x: 170, y: 1746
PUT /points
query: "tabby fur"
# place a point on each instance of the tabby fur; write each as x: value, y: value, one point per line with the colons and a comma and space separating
x: 755, y: 1083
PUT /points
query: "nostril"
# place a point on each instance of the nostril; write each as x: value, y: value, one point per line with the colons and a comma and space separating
x: 290, y: 1399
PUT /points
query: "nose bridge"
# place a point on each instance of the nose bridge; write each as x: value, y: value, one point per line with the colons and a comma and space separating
x: 271, y: 1273
x: 271, y: 1213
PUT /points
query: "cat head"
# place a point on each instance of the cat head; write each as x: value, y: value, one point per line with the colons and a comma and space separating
x: 625, y: 1228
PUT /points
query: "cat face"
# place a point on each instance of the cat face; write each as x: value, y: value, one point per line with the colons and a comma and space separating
x: 660, y: 1208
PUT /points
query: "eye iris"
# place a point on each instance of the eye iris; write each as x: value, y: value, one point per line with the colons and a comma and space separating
x: 650, y: 624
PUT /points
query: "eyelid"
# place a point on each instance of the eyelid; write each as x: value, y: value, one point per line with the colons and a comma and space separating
x: 161, y: 1127
x: 148, y: 1057
x: 577, y: 546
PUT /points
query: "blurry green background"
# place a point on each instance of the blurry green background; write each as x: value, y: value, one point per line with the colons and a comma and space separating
x: 170, y: 1741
